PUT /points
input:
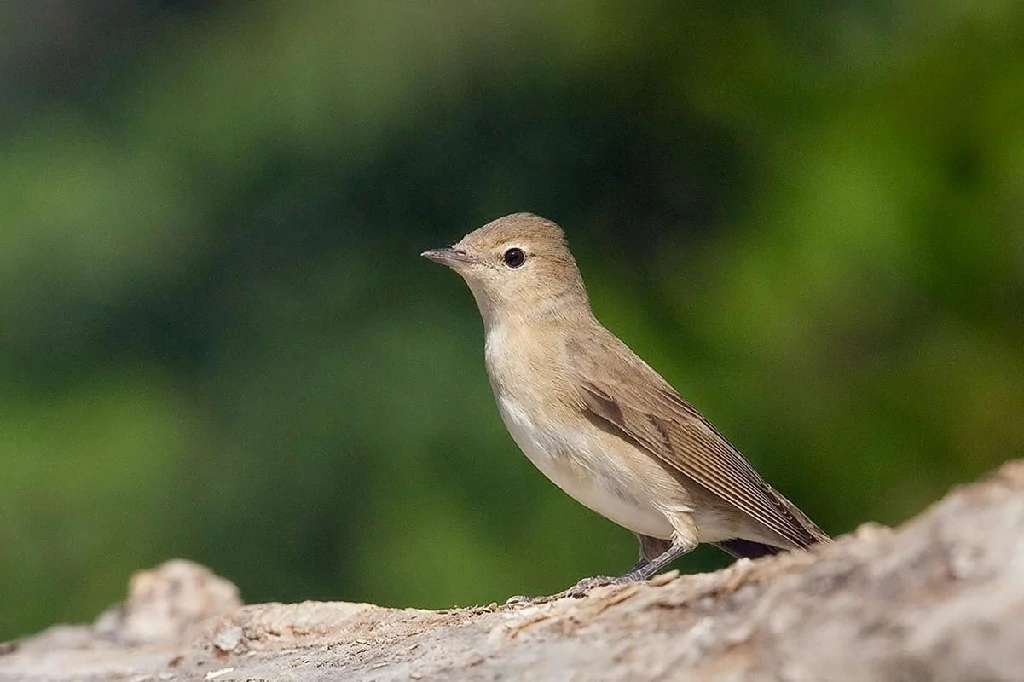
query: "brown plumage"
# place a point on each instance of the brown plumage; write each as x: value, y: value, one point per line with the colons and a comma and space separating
x: 645, y: 409
x: 597, y: 420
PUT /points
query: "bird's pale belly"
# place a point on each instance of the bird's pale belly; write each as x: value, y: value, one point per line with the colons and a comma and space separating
x: 589, y: 478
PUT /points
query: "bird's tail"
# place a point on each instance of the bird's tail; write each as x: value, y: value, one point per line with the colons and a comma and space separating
x: 747, y: 549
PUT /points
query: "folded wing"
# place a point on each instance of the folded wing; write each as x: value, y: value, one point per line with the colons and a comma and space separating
x: 637, y: 404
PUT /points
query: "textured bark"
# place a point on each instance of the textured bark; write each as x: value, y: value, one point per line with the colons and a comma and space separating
x: 941, y: 598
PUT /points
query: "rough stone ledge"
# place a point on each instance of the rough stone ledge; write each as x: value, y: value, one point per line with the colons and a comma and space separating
x: 941, y: 598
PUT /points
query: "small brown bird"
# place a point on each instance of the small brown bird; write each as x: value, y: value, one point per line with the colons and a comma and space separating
x: 597, y: 420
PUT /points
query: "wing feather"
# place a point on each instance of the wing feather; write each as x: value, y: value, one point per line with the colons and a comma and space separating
x: 639, y: 405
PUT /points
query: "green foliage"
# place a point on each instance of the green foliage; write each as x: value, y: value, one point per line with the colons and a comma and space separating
x: 219, y: 341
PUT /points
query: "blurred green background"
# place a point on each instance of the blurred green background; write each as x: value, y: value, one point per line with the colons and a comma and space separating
x: 218, y: 340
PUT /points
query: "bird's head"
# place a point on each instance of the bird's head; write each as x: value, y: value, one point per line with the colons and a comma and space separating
x: 518, y: 267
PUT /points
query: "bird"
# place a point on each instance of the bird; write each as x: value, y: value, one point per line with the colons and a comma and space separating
x: 598, y: 421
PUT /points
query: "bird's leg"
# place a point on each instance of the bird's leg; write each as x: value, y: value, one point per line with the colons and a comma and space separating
x: 650, y: 549
x: 645, y: 569
x: 655, y: 554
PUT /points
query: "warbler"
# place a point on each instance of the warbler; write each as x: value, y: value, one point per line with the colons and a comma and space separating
x: 597, y: 420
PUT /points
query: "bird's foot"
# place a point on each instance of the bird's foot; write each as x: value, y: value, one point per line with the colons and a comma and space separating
x: 584, y: 586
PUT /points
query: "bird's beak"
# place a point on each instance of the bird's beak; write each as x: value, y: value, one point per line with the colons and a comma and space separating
x: 452, y: 257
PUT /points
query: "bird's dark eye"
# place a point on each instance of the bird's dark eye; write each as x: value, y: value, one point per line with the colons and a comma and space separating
x: 514, y: 257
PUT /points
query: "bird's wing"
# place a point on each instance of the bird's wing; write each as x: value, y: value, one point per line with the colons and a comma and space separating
x: 634, y: 402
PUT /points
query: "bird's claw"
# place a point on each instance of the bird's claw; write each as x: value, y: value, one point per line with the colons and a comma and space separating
x: 584, y: 586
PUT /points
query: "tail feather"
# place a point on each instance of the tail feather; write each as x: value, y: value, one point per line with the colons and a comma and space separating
x: 747, y: 549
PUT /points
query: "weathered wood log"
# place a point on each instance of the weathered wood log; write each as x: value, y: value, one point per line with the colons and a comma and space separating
x: 940, y: 598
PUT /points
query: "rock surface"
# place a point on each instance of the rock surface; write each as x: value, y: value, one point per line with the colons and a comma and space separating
x: 941, y: 598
